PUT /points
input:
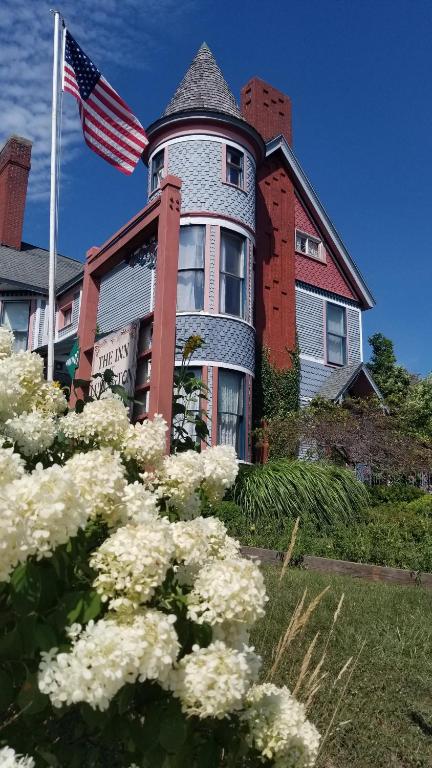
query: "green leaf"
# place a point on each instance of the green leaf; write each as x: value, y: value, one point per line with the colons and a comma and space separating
x: 92, y: 606
x: 173, y: 731
x: 6, y: 691
x: 30, y: 698
x: 45, y: 636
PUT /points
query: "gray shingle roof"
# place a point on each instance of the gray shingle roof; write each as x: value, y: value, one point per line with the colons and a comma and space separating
x: 204, y: 87
x: 28, y: 268
x: 340, y: 379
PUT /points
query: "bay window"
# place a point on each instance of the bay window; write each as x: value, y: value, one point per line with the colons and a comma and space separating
x: 230, y: 426
x: 232, y: 269
x: 16, y: 318
x: 190, y: 280
x: 336, y: 334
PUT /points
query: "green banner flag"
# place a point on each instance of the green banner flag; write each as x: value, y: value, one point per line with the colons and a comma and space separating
x: 73, y: 360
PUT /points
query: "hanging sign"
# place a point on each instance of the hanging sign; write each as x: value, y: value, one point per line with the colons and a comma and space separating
x: 117, y: 352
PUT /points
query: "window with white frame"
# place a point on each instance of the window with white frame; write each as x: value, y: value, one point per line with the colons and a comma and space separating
x: 232, y: 270
x: 336, y: 334
x: 190, y: 279
x: 157, y: 168
x: 15, y: 316
x: 234, y: 167
x: 231, y: 395
x: 67, y: 316
x: 308, y: 245
x: 192, y: 403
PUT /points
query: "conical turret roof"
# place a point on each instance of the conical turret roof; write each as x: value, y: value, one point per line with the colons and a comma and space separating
x: 203, y: 88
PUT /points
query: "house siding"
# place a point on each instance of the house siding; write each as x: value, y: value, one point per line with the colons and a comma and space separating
x: 125, y: 294
x: 226, y: 341
x: 310, y: 317
x: 198, y: 162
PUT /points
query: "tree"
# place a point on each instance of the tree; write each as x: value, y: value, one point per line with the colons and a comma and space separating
x: 392, y: 379
x: 417, y: 409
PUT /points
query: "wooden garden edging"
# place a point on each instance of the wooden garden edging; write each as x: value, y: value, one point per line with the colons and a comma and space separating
x: 346, y: 568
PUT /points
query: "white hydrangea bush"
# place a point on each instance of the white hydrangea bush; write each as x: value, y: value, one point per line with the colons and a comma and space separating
x: 129, y: 597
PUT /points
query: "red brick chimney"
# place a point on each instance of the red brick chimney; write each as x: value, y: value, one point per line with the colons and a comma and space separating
x: 267, y: 109
x: 14, y: 170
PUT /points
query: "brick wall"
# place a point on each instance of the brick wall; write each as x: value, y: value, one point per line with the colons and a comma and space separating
x: 274, y: 271
x: 14, y: 171
x: 323, y: 275
x: 267, y: 109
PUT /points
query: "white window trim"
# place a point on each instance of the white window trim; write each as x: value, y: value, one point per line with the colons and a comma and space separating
x: 321, y: 250
x: 224, y: 223
x: 217, y: 364
x: 345, y: 336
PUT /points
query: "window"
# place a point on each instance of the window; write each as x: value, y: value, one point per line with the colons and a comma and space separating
x: 336, y: 334
x: 234, y: 167
x: 193, y: 406
x: 16, y: 318
x: 308, y: 245
x: 232, y: 274
x: 67, y: 316
x: 190, y: 280
x: 157, y: 168
x: 230, y: 428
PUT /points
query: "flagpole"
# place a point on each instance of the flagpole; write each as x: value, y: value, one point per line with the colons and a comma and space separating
x: 53, y: 199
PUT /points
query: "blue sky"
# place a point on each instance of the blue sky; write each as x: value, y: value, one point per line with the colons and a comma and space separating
x: 359, y: 76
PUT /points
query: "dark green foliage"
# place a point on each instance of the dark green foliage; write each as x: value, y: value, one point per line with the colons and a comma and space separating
x: 284, y: 489
x: 276, y: 392
x: 393, y: 380
x: 381, y: 721
x: 381, y: 494
x: 398, y: 535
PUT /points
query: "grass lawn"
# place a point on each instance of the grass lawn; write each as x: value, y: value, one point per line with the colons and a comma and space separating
x: 385, y: 718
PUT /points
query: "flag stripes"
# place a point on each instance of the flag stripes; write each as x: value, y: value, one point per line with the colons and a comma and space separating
x: 109, y: 126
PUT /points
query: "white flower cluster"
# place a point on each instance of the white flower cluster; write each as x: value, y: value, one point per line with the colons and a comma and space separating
x: 6, y: 342
x: 32, y: 432
x: 108, y: 654
x: 278, y: 727
x: 220, y: 467
x: 146, y: 442
x: 38, y: 512
x: 140, y: 504
x: 102, y: 422
x: 10, y: 759
x: 22, y: 386
x: 202, y: 540
x: 101, y: 482
x: 183, y: 475
x: 132, y: 562
x: 228, y: 591
x: 213, y: 681
x: 11, y: 465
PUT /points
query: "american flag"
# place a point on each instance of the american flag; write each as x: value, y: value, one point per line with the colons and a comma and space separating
x: 109, y: 126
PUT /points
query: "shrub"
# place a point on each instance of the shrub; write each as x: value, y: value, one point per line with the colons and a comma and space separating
x: 380, y: 494
x: 284, y: 489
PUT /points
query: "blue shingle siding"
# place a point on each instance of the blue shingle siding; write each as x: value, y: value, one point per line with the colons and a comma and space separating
x: 310, y: 324
x: 227, y: 341
x: 76, y: 309
x: 353, y: 330
x: 198, y: 162
x: 313, y: 375
x: 125, y: 295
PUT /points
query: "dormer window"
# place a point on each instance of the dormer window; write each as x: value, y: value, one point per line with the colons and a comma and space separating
x: 235, y: 167
x: 157, y: 169
x: 309, y: 246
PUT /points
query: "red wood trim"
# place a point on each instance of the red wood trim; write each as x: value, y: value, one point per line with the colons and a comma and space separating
x: 164, y: 323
